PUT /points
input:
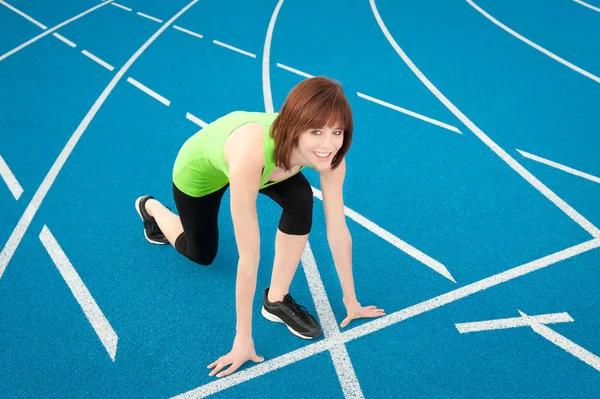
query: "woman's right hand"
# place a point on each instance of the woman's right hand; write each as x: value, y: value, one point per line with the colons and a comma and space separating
x: 242, y: 351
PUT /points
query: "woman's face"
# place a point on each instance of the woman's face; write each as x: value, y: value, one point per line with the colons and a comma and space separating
x: 319, y: 146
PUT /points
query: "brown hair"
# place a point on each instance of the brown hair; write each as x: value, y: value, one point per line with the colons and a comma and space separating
x: 314, y: 103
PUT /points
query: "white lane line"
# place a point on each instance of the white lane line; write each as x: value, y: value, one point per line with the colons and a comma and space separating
x: 92, y: 311
x: 21, y: 13
x: 559, y: 166
x: 149, y: 91
x: 98, y: 60
x: 339, y: 353
x: 189, y: 32
x: 396, y: 317
x: 19, y: 231
x: 196, y: 120
x: 266, y: 77
x: 227, y: 46
x: 583, y: 3
x: 64, y: 39
x: 513, y: 322
x: 10, y: 180
x: 121, y: 6
x: 534, y: 45
x: 531, y: 179
x: 149, y: 17
x: 563, y: 342
x: 297, y: 72
x: 255, y: 371
x: 47, y: 32
x: 468, y: 290
x: 392, y: 239
x: 410, y: 113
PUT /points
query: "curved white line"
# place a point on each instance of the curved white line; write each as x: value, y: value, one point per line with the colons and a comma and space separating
x: 265, y: 65
x: 559, y: 202
x: 534, y: 45
x: 15, y: 238
x: 47, y: 32
x: 591, y: 7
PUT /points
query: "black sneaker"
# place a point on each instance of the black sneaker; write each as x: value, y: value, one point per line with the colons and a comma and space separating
x: 294, y: 316
x: 151, y: 230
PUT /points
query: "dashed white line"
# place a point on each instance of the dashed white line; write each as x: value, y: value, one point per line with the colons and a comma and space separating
x: 562, y: 342
x: 21, y: 13
x: 583, y: 3
x: 149, y: 91
x: 10, y: 180
x: 24, y: 222
x: 560, y: 167
x: 149, y: 17
x: 517, y: 167
x: 92, y: 311
x: 189, y: 32
x: 392, y: 239
x: 410, y: 113
x: 64, y: 39
x: 196, y: 120
x: 512, y: 322
x: 121, y: 6
x: 47, y: 32
x: 297, y: 72
x: 234, y: 48
x: 98, y: 60
x: 534, y: 45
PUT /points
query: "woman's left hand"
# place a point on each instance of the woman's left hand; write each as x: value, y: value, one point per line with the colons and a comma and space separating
x: 356, y: 311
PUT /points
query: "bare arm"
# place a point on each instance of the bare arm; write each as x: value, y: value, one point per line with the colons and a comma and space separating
x: 338, y: 235
x: 245, y: 156
x: 340, y: 242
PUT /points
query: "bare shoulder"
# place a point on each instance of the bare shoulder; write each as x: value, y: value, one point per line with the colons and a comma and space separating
x: 245, y: 145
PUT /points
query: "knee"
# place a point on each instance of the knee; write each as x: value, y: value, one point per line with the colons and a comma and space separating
x: 201, y: 257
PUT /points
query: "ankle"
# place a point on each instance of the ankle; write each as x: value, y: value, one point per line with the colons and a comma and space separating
x: 275, y: 296
x: 149, y: 205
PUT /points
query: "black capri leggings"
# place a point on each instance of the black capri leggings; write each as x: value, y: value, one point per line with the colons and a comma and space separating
x: 199, y: 216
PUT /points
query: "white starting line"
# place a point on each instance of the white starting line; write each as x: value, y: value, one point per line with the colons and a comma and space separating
x: 513, y: 322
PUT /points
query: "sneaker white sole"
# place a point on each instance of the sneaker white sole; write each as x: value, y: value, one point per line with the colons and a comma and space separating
x: 272, y: 317
x: 137, y: 208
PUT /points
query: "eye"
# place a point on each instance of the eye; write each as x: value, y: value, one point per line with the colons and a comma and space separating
x: 316, y: 132
x: 338, y: 132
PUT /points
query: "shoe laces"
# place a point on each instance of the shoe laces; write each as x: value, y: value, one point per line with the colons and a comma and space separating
x: 296, y: 308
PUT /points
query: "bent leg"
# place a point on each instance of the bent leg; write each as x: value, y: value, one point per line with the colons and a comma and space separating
x: 295, y: 197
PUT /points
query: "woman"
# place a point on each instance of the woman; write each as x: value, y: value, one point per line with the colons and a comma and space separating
x: 253, y: 153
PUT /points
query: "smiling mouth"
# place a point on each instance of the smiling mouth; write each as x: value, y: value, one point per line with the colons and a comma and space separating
x: 322, y: 155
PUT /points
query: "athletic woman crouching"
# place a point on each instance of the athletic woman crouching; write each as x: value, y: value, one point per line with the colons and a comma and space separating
x: 252, y: 153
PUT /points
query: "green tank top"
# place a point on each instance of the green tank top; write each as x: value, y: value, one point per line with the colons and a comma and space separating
x: 200, y: 167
